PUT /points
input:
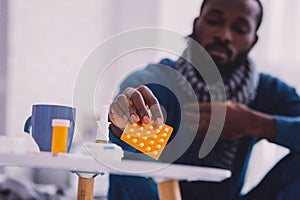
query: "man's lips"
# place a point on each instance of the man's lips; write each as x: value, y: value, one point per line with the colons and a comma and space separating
x: 217, y: 54
x: 217, y: 50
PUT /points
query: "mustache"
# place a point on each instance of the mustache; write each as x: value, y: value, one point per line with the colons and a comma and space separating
x: 221, y: 46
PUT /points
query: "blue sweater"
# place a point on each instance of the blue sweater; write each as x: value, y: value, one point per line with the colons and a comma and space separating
x: 273, y: 97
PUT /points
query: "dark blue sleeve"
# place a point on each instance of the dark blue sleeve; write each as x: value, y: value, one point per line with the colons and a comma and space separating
x: 288, y: 132
x: 283, y: 102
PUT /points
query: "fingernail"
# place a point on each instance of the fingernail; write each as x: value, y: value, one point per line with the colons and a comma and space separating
x: 133, y: 118
x: 146, y: 119
x: 158, y: 121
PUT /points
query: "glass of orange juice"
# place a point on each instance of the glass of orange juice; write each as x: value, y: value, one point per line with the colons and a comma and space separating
x: 59, y: 135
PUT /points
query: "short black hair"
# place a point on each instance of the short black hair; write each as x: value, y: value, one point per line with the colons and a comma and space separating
x: 259, y: 17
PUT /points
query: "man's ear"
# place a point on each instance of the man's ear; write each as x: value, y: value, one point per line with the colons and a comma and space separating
x: 195, y: 21
x: 194, y: 25
x: 255, y: 40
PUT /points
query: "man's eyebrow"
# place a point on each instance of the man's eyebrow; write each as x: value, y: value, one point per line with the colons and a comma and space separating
x: 215, y: 11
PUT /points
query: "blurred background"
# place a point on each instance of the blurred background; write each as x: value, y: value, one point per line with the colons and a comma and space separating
x: 44, y: 43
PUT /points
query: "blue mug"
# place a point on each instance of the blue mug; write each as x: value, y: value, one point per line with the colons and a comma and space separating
x: 40, y: 123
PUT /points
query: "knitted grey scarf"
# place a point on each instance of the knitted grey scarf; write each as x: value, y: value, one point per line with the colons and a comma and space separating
x: 239, y: 87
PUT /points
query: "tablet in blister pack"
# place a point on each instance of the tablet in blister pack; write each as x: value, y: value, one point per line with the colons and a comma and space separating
x: 146, y: 138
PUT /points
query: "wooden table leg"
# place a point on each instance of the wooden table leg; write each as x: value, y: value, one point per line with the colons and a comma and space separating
x: 85, y: 190
x: 169, y: 190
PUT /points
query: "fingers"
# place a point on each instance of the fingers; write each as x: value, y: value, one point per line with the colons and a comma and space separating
x: 156, y: 115
x: 127, y: 109
x: 135, y: 105
x: 201, y: 107
x: 197, y: 117
x: 138, y: 103
x: 196, y: 121
x: 201, y: 128
x: 207, y: 107
x: 153, y: 104
x: 116, y: 115
x: 121, y: 112
x: 197, y: 112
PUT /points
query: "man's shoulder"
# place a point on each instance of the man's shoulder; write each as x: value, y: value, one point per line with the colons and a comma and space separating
x: 151, y: 73
x: 271, y: 80
x: 162, y: 66
x: 270, y: 83
x: 267, y: 77
x: 155, y: 67
x: 167, y: 62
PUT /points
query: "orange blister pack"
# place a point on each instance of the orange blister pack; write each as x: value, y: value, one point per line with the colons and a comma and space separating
x: 146, y: 138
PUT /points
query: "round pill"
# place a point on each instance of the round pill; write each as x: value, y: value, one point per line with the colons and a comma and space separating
x: 141, y: 128
x: 164, y: 134
x: 127, y: 136
x: 134, y: 140
x: 158, y: 146
x: 141, y: 144
x: 161, y: 140
x: 135, y: 124
x: 148, y: 148
x: 138, y: 134
x: 151, y: 142
x: 155, y: 152
x: 151, y: 127
x: 131, y: 130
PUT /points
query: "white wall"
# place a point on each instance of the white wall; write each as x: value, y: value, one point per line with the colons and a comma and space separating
x: 277, y: 51
x: 3, y: 64
x: 49, y: 40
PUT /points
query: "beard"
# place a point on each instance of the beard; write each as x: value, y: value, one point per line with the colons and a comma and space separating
x: 228, y: 68
x: 225, y: 69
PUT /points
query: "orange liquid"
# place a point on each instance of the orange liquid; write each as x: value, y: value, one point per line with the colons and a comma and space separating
x: 59, y: 139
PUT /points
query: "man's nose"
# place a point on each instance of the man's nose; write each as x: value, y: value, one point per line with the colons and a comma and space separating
x: 223, y: 34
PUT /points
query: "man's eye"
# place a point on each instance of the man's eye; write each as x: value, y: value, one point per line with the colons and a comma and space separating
x: 240, y: 30
x: 213, y: 22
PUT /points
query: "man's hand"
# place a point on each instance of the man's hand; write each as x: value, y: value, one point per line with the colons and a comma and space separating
x: 240, y: 120
x: 135, y: 105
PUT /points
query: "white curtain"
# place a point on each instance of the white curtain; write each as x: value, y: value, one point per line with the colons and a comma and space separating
x: 277, y: 53
x: 278, y: 49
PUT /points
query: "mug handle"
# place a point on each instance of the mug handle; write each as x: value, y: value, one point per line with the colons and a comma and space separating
x: 27, y: 125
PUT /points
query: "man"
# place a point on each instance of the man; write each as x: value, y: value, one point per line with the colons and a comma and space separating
x: 257, y: 106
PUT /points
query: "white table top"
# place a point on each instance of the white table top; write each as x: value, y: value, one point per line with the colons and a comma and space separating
x: 88, y: 164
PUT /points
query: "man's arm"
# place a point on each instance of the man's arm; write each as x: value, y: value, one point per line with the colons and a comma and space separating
x: 279, y: 121
x: 240, y: 120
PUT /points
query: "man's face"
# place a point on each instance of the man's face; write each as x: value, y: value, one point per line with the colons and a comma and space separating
x: 227, y: 30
